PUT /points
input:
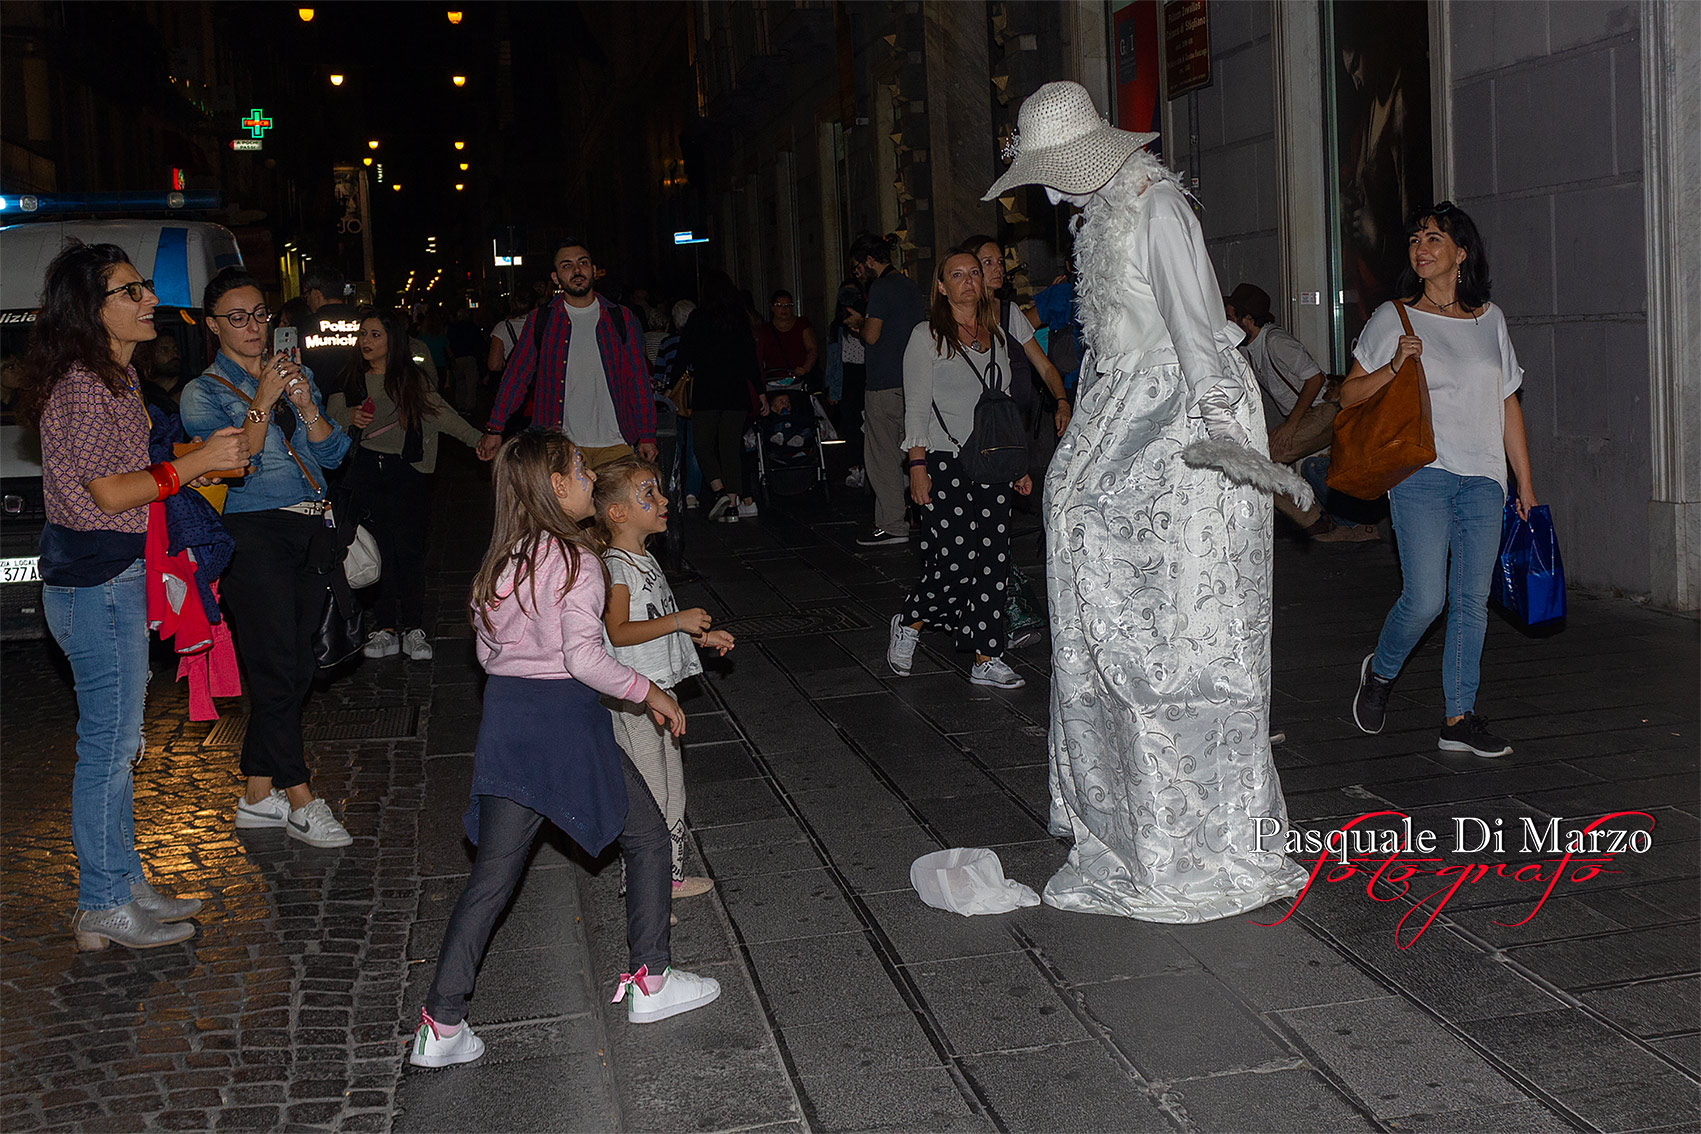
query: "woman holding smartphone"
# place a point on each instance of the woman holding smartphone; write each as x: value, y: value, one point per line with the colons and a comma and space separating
x: 80, y: 387
x: 274, y: 588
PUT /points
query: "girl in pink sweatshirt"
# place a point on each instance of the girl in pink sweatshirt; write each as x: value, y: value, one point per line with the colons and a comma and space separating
x: 546, y: 749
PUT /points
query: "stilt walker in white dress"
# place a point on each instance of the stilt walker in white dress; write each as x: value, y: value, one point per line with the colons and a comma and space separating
x: 1158, y: 528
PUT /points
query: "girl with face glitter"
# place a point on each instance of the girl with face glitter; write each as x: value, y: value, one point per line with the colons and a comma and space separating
x: 652, y: 635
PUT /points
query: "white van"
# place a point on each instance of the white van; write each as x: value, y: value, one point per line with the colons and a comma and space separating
x: 180, y: 257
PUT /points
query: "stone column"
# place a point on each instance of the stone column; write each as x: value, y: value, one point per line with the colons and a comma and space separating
x: 1671, y: 186
x: 962, y: 147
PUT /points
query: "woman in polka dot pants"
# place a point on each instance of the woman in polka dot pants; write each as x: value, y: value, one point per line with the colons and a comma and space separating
x: 966, y: 548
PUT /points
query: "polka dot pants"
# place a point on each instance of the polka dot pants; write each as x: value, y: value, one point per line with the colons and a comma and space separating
x: 965, y: 558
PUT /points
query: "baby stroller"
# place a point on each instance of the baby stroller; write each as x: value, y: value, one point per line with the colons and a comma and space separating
x: 790, y: 457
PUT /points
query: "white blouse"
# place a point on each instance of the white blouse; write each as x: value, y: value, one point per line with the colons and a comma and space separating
x: 949, y: 383
x: 1471, y: 368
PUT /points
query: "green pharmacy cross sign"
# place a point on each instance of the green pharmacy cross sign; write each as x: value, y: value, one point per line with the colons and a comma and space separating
x: 257, y: 123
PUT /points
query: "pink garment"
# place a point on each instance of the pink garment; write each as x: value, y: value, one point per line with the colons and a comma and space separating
x: 538, y: 632
x: 174, y: 605
x: 211, y: 673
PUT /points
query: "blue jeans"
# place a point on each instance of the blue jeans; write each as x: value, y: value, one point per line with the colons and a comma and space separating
x: 104, y: 633
x: 1436, y: 513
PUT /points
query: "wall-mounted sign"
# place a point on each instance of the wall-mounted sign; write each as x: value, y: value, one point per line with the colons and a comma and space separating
x: 1187, y: 47
x: 689, y: 237
x: 1137, y: 98
x: 246, y: 144
x: 256, y: 123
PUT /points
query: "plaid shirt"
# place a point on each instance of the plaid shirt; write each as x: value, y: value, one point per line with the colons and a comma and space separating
x: 622, y: 360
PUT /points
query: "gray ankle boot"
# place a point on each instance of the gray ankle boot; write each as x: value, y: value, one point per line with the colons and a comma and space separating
x: 129, y: 925
x: 159, y: 907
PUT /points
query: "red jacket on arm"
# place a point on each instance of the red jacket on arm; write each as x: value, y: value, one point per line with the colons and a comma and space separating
x: 620, y: 341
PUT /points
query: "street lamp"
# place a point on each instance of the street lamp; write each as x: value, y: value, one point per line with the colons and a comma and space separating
x: 465, y: 166
x: 459, y: 186
x: 460, y: 145
x: 336, y: 80
x: 306, y: 15
x: 367, y: 160
x: 454, y: 16
x: 460, y: 80
x: 373, y: 144
x: 397, y: 186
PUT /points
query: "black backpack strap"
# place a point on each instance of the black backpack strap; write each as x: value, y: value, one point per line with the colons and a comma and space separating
x: 945, y: 427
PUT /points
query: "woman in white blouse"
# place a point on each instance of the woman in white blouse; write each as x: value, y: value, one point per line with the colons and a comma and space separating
x: 1453, y: 506
x: 965, y: 547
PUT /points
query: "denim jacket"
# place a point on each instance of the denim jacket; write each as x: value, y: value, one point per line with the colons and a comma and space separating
x: 274, y: 480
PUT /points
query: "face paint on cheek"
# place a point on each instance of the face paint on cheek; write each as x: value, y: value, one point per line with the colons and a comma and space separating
x: 643, y: 494
x: 579, y: 469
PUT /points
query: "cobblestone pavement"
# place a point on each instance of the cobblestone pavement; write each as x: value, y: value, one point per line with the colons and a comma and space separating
x: 815, y: 777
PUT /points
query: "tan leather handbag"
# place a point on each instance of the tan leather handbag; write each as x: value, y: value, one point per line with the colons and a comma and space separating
x: 1387, y: 437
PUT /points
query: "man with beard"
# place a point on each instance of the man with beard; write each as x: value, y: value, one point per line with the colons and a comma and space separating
x: 586, y: 356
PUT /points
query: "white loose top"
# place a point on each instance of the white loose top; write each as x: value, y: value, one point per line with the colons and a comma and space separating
x: 1472, y: 370
x: 587, y: 409
x: 666, y: 660
x: 951, y: 384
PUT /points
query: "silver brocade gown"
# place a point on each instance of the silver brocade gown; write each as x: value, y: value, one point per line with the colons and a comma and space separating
x: 1160, y: 610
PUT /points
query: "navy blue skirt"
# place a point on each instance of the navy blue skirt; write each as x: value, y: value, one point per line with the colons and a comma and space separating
x: 549, y: 745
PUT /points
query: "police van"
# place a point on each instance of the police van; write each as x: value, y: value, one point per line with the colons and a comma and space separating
x: 180, y: 257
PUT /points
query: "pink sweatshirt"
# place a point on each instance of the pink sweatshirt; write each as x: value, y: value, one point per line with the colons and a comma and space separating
x: 555, y: 637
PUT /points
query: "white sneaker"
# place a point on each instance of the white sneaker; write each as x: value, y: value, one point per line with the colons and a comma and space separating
x: 994, y: 672
x: 856, y: 479
x: 747, y: 510
x: 416, y: 646
x: 900, y: 646
x: 317, y: 827
x: 273, y: 811
x: 690, y: 501
x: 680, y: 992
x: 381, y: 644
x: 432, y: 1048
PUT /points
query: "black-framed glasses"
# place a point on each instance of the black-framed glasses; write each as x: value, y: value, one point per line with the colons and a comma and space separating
x: 135, y: 289
x: 239, y: 318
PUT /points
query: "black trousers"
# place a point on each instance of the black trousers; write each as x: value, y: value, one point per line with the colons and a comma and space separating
x: 505, y: 833
x: 275, y: 596
x: 965, y: 558
x: 394, y: 496
x: 719, y: 437
x: 850, y: 410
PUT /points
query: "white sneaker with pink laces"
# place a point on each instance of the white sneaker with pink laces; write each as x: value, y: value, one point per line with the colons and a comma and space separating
x: 434, y: 1045
x: 680, y: 991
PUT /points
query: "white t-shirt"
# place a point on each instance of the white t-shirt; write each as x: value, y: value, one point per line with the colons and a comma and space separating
x: 1283, y: 366
x: 1471, y: 368
x: 667, y: 660
x: 504, y: 333
x: 587, y: 408
x: 1017, y: 324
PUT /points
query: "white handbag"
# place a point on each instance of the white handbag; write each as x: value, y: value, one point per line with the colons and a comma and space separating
x: 362, y: 563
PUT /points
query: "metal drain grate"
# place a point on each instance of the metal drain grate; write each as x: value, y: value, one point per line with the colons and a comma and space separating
x: 824, y: 621
x: 334, y: 724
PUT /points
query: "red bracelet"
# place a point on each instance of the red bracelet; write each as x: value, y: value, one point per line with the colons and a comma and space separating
x: 165, y: 479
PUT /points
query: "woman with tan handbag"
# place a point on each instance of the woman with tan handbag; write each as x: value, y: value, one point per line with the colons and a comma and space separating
x: 1451, y: 507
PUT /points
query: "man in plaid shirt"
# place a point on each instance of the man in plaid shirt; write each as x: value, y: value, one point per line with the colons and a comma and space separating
x: 597, y: 392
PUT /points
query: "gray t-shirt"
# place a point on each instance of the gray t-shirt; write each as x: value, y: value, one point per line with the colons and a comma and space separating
x: 895, y: 300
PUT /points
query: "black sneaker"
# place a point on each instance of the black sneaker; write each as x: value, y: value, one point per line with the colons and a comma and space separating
x: 1471, y: 735
x: 880, y: 537
x: 1370, y: 706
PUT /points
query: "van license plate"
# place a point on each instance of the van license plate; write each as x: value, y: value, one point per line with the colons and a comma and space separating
x: 25, y: 569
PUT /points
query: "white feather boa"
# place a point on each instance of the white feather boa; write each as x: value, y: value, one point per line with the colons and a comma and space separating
x: 1247, y: 466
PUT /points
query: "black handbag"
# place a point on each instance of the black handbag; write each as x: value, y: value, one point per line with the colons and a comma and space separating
x: 342, y: 631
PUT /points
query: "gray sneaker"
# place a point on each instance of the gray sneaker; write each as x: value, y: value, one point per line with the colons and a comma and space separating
x: 900, y: 646
x: 317, y: 827
x: 416, y: 645
x: 994, y: 672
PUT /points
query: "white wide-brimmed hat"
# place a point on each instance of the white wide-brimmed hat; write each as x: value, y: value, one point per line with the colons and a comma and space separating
x: 1062, y: 142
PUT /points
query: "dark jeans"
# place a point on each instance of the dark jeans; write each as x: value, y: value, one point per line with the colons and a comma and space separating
x: 850, y: 410
x: 275, y: 596
x: 719, y: 438
x: 393, y: 494
x: 505, y: 833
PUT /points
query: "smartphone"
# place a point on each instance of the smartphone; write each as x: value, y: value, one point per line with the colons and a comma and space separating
x: 286, y: 338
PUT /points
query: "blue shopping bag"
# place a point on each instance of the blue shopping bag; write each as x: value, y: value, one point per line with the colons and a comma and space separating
x: 1529, y: 577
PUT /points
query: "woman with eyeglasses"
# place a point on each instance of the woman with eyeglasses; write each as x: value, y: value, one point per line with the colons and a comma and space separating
x: 274, y: 588
x: 1451, y: 509
x: 79, y: 386
x: 951, y: 358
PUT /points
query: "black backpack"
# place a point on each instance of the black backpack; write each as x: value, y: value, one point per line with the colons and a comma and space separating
x: 996, y: 451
